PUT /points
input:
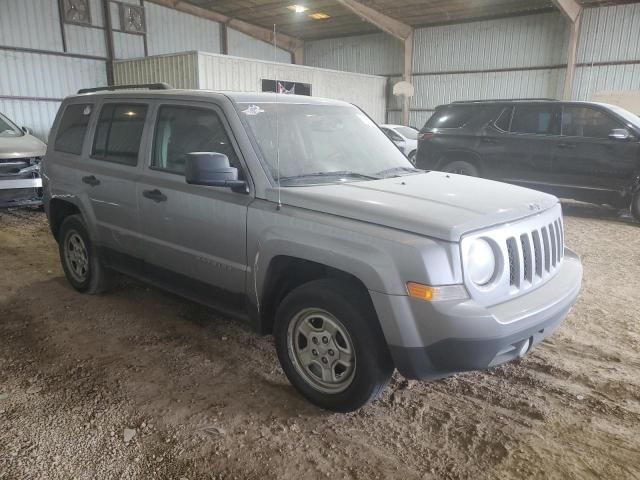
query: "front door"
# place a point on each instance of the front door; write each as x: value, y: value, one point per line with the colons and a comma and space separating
x: 586, y: 161
x: 194, y: 237
x: 515, y: 148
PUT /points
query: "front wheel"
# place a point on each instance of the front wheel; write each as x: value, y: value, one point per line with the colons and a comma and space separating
x: 460, y: 167
x: 330, y: 345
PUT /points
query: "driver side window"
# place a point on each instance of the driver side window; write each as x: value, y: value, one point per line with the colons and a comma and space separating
x: 587, y: 122
x: 182, y: 130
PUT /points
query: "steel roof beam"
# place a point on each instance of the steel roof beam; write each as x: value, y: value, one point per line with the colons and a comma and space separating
x: 395, y: 28
x: 572, y: 10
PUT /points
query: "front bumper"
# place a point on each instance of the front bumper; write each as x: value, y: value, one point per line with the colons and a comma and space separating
x: 430, y: 340
x: 19, y: 192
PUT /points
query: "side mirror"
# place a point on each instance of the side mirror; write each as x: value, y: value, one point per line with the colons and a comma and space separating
x: 27, y: 130
x: 619, y: 134
x: 213, y: 170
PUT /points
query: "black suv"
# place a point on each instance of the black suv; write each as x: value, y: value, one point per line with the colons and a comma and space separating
x: 581, y: 150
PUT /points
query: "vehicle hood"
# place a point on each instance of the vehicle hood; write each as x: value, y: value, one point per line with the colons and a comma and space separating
x: 21, y: 147
x: 434, y: 204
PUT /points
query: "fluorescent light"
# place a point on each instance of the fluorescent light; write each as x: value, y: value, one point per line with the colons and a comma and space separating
x: 298, y: 8
x: 319, y: 16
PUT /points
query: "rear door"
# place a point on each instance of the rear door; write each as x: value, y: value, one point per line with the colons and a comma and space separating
x: 194, y: 237
x: 112, y: 169
x: 515, y: 148
x: 585, y: 158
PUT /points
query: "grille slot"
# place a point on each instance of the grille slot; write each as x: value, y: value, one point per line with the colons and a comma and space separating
x: 534, y: 256
x: 527, y: 260
x: 513, y: 263
x: 554, y: 245
x: 539, y: 254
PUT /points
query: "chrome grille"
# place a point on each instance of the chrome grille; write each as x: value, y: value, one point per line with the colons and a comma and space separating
x: 529, y: 252
x: 543, y: 259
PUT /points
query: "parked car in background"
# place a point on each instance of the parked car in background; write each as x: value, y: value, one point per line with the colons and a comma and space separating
x: 405, y: 138
x: 20, y: 156
x: 581, y: 150
x: 323, y: 235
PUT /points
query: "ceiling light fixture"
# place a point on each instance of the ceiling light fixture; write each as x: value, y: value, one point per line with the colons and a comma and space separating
x: 319, y: 16
x: 298, y: 8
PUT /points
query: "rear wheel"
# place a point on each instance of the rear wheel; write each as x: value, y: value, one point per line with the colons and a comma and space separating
x: 460, y: 167
x: 79, y: 257
x: 330, y: 345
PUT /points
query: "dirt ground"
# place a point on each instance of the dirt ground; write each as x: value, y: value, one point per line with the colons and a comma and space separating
x: 202, y: 397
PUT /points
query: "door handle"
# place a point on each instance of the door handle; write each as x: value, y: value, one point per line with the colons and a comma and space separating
x: 91, y: 180
x: 566, y: 145
x: 155, y: 195
x: 488, y: 140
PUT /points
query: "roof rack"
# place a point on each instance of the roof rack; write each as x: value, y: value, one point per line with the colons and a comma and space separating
x: 111, y: 88
x: 509, y: 100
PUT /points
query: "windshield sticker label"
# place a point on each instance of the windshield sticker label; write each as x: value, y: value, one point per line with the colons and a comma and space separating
x: 87, y: 110
x: 253, y: 110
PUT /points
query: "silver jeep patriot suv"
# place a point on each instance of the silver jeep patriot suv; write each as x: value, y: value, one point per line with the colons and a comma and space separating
x: 301, y: 217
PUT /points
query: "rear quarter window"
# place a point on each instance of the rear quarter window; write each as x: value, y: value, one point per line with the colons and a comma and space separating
x: 73, y: 128
x: 456, y: 116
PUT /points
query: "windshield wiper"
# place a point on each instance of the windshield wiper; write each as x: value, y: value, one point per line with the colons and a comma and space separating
x: 396, y: 170
x: 344, y: 173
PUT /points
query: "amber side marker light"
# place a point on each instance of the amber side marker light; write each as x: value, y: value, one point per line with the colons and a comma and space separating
x: 430, y: 294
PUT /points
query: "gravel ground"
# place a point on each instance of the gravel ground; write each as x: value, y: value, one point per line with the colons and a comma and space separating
x: 138, y: 384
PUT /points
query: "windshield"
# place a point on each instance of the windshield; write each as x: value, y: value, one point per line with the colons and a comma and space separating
x: 8, y: 128
x: 407, y: 132
x: 321, y: 143
x: 626, y: 114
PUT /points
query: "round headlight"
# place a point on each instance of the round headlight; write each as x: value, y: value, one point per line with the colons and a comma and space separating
x: 481, y: 262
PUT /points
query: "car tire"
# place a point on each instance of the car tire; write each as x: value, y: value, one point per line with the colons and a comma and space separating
x: 412, y: 158
x: 460, y: 167
x: 635, y: 206
x: 79, y: 257
x: 332, y: 322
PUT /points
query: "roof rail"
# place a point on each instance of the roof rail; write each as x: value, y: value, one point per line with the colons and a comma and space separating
x: 111, y: 88
x: 509, y: 100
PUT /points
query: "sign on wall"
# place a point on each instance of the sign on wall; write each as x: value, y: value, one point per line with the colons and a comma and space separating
x: 292, y: 88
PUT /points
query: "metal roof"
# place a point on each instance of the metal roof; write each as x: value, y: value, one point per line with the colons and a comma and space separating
x: 342, y: 21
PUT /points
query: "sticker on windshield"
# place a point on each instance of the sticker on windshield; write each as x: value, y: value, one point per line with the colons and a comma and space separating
x: 87, y: 110
x: 253, y: 110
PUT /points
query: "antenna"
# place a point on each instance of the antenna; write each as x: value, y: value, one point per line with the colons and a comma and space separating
x: 275, y: 67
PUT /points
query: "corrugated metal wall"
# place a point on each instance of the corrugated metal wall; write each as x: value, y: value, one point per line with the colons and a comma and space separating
x: 376, y: 54
x: 223, y: 72
x: 241, y: 45
x: 610, y: 41
x: 33, y: 81
x: 506, y: 58
x: 179, y: 70
x: 171, y: 31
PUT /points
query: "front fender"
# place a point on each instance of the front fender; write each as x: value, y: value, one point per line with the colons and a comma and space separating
x: 383, y: 259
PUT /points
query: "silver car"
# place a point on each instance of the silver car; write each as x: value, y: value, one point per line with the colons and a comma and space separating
x: 20, y: 156
x: 299, y: 216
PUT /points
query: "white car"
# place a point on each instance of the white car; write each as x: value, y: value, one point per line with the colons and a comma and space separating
x: 406, y: 138
x: 20, y: 155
